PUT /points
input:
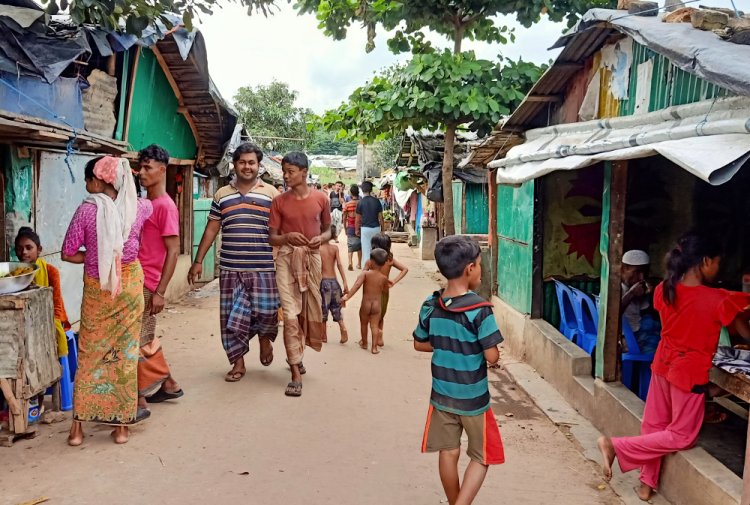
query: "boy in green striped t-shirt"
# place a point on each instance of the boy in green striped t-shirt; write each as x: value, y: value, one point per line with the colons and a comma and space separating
x: 459, y: 328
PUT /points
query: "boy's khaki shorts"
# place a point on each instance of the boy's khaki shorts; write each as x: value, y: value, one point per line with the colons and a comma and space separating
x: 443, y: 433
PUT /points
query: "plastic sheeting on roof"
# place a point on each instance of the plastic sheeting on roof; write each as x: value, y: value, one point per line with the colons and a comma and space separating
x: 709, y: 139
x: 47, y: 50
x: 701, y: 53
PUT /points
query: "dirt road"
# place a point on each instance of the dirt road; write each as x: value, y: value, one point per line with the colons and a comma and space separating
x: 353, y: 437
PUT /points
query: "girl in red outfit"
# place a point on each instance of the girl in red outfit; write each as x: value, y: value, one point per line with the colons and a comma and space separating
x: 692, y: 315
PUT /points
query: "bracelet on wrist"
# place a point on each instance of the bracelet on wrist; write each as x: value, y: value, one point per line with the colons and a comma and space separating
x: 160, y: 294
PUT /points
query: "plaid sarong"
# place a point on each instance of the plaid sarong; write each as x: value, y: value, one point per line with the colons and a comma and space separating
x: 248, y: 306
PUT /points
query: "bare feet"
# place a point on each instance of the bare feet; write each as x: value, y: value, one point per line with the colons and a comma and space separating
x: 375, y: 350
x: 266, y: 351
x: 362, y: 344
x: 120, y: 435
x: 380, y: 342
x: 608, y: 456
x: 75, y: 438
x: 344, y: 336
x: 351, y: 268
x: 644, y: 492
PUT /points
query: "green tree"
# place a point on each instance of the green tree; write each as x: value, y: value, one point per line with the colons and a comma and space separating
x: 322, y: 141
x: 437, y: 88
x: 272, y: 117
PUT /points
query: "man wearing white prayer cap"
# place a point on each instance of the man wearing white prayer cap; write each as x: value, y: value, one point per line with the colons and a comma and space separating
x: 635, y: 300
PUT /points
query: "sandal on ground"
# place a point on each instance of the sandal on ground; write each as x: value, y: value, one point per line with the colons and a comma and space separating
x: 162, y: 396
x: 294, y: 388
x: 234, y: 376
x: 715, y: 417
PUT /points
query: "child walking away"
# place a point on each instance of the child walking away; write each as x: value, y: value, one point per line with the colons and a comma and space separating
x: 383, y: 241
x: 330, y: 289
x: 459, y: 328
x: 373, y: 284
x: 692, y: 315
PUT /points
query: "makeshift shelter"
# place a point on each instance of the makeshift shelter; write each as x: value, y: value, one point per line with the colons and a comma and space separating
x: 635, y: 134
x: 70, y: 93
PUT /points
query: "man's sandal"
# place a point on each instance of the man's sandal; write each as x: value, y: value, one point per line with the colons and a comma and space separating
x: 294, y: 388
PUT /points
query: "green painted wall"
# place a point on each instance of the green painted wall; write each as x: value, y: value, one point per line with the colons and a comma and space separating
x: 515, y: 228
x: 458, y: 206
x: 19, y: 195
x: 670, y: 85
x: 153, y: 115
x: 477, y: 203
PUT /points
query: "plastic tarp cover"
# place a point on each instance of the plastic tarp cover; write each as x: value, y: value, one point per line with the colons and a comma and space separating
x: 60, y: 101
x: 710, y: 139
x: 701, y: 53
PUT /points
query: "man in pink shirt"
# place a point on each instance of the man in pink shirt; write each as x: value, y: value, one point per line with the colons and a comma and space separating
x: 160, y: 247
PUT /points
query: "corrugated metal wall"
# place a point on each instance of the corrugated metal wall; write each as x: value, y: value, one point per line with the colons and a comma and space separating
x: 515, y: 229
x: 458, y: 206
x: 153, y: 115
x: 477, y: 203
x: 669, y: 85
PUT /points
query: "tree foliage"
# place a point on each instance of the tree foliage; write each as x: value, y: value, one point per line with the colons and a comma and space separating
x: 431, y: 91
x: 269, y: 111
x: 454, y: 19
x: 136, y: 15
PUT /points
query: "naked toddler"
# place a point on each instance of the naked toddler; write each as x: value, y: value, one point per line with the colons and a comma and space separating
x: 373, y: 284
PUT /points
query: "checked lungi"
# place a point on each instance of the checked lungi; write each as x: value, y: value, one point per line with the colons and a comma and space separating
x: 248, y: 306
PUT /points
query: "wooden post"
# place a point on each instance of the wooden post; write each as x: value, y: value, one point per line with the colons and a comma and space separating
x: 492, y: 226
x: 746, y: 471
x: 537, y: 254
x: 611, y: 245
x: 131, y: 92
x: 112, y: 65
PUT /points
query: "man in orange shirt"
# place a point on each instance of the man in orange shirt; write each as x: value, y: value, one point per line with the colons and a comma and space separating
x: 300, y: 222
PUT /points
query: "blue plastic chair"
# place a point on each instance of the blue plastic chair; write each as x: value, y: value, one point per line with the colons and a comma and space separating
x: 568, y: 316
x: 588, y: 320
x: 633, y: 361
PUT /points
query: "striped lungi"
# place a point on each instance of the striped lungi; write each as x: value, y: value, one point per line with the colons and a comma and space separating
x: 248, y: 306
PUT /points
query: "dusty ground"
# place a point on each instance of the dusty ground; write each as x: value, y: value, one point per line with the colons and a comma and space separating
x: 353, y: 438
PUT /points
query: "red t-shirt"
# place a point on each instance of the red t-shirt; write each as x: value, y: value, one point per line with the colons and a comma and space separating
x: 164, y: 222
x: 690, y: 331
x: 307, y: 216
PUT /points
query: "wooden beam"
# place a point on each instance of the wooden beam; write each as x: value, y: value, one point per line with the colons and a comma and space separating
x: 543, y: 98
x: 492, y: 226
x: 15, y: 407
x: 611, y: 245
x: 537, y: 252
x: 131, y: 92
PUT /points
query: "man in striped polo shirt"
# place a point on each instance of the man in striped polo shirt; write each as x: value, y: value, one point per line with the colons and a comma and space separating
x: 459, y: 328
x: 249, y: 299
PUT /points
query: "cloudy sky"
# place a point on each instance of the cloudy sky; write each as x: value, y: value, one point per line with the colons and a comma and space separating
x: 250, y: 50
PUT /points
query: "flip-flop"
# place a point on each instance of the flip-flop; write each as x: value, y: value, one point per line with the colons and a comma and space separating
x: 294, y: 388
x: 162, y: 396
x: 234, y: 376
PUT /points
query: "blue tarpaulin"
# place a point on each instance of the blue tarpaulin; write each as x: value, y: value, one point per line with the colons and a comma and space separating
x: 60, y: 101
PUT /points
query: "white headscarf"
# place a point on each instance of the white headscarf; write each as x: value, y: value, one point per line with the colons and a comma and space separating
x: 114, y: 219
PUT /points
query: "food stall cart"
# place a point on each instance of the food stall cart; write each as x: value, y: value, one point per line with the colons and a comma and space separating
x: 739, y: 386
x: 28, y: 355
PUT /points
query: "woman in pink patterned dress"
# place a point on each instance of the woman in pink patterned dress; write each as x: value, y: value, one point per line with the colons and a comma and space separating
x: 108, y: 225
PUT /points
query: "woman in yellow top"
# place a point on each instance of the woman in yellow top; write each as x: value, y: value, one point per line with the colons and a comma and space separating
x: 29, y: 249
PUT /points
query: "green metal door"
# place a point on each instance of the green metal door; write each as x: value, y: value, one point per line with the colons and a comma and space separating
x: 201, y: 208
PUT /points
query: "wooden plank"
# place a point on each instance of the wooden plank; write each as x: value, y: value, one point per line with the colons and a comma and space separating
x: 5, y: 387
x: 543, y: 98
x: 131, y: 92
x: 612, y: 330
x: 537, y: 253
x: 745, y: 499
x: 492, y: 226
x: 13, y: 120
x: 736, y: 384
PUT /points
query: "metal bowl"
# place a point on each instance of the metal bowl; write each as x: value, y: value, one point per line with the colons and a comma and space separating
x: 18, y: 283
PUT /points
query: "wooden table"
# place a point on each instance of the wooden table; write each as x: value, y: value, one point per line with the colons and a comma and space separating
x: 28, y: 355
x: 739, y: 386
